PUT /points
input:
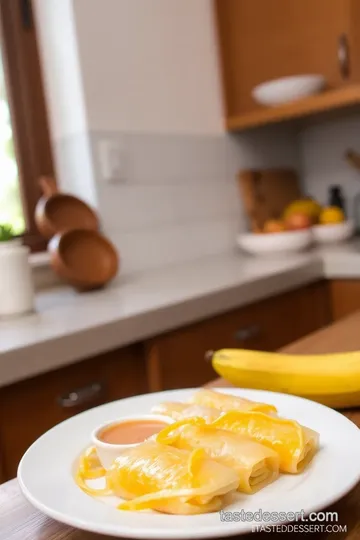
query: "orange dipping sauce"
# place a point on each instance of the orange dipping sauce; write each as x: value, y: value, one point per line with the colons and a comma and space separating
x: 131, y: 432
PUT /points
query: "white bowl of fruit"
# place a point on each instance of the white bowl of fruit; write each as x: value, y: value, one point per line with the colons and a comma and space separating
x: 333, y: 227
x: 291, y: 233
x: 275, y: 243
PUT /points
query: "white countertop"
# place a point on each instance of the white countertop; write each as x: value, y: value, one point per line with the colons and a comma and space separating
x: 68, y: 326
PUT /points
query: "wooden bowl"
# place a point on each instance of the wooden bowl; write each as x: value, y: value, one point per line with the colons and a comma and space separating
x: 58, y: 212
x: 85, y: 259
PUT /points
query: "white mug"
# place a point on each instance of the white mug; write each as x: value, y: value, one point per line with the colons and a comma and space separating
x: 16, y: 285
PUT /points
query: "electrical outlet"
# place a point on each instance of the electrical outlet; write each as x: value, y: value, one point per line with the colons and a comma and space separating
x: 112, y: 158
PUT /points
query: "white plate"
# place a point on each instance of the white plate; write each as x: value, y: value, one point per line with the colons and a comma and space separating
x: 288, y: 89
x: 275, y: 243
x: 46, y: 473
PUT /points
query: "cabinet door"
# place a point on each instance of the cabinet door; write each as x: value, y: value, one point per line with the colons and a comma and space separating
x: 177, y: 359
x: 261, y: 40
x: 293, y: 315
x: 345, y: 297
x: 31, y: 407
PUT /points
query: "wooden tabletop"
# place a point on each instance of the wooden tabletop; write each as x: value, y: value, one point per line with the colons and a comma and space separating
x: 20, y: 521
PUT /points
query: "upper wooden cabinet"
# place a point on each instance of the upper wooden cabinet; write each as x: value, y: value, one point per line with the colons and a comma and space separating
x: 262, y: 40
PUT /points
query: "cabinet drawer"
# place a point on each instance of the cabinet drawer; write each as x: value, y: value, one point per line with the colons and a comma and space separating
x: 31, y: 407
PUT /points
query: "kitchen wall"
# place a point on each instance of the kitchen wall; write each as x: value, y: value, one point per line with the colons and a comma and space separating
x: 64, y: 88
x: 149, y: 65
x: 322, y: 148
x: 147, y: 77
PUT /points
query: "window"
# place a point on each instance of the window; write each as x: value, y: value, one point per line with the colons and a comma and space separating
x: 25, y: 150
x: 10, y: 196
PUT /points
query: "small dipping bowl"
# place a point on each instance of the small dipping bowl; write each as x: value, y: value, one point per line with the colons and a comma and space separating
x: 133, y: 430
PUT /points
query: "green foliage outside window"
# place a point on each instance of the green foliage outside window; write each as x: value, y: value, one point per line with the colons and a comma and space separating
x: 10, y: 200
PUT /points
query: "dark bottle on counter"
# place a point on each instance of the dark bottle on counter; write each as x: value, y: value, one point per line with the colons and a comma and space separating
x: 336, y: 198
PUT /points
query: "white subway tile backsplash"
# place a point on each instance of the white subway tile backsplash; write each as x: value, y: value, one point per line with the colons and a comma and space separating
x: 132, y: 208
x: 155, y: 248
x: 206, y: 201
x: 322, y: 149
x: 216, y: 236
x: 267, y: 147
x: 135, y: 207
x: 161, y: 159
x: 179, y: 198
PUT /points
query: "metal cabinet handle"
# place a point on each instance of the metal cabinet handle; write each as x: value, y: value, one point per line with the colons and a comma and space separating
x: 249, y: 332
x: 209, y: 356
x: 343, y: 56
x: 81, y: 396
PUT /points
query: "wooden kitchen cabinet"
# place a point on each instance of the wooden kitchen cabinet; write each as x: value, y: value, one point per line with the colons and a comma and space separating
x: 293, y: 315
x: 345, y: 297
x: 261, y: 40
x: 31, y: 407
x: 177, y: 359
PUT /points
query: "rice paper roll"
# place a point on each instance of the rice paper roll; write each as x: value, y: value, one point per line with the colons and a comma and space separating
x: 173, y: 409
x: 178, y: 411
x: 227, y: 402
x: 295, y: 444
x: 209, y: 414
x: 166, y: 479
x: 256, y: 464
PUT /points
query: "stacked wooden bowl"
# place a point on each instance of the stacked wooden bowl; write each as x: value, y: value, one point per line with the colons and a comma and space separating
x: 79, y: 253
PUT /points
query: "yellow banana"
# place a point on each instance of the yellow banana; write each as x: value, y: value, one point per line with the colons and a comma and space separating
x: 331, y: 379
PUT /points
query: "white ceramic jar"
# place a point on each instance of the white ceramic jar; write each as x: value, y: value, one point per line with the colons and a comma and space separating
x: 16, y: 285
